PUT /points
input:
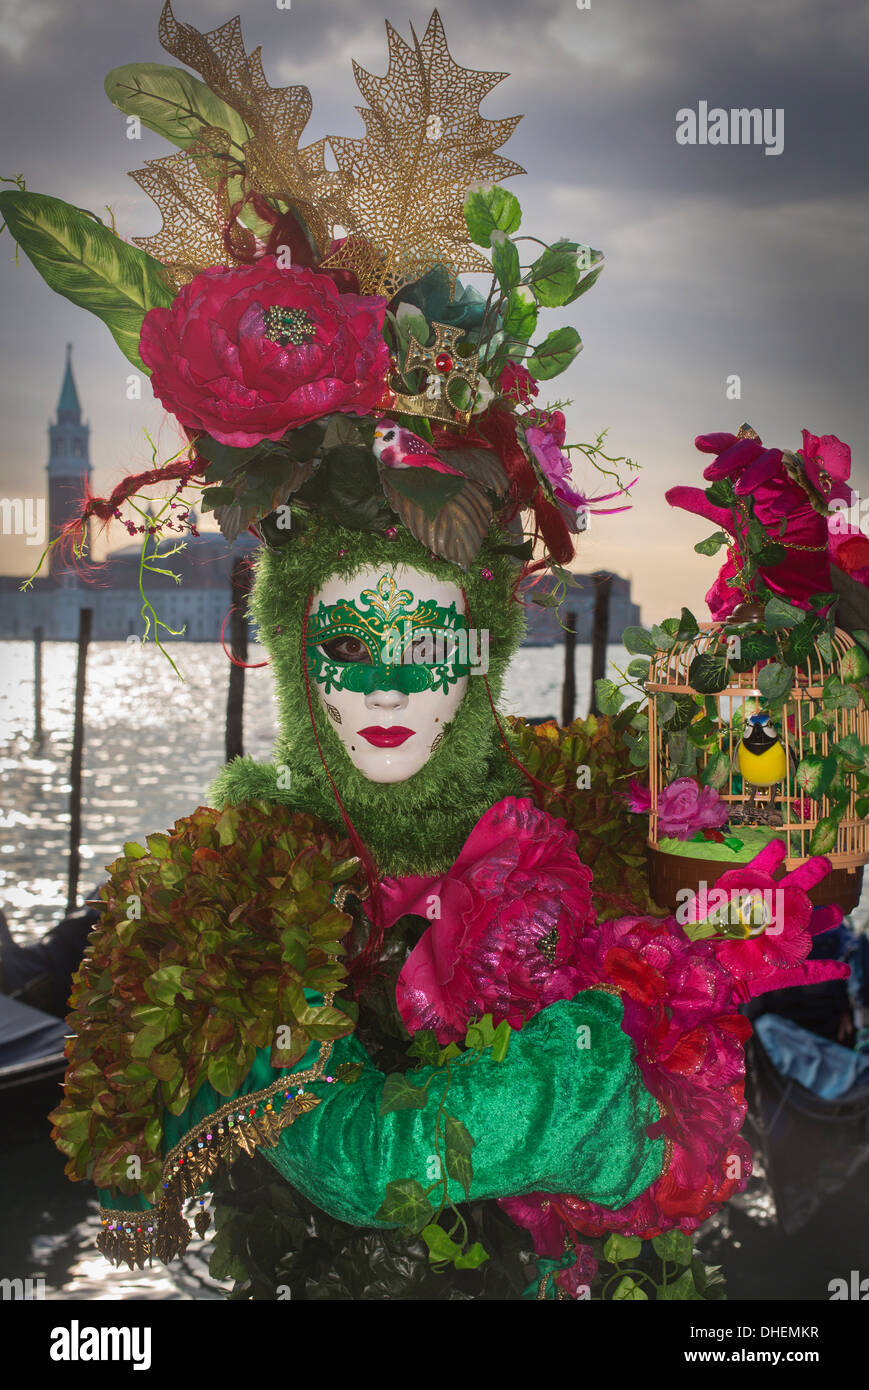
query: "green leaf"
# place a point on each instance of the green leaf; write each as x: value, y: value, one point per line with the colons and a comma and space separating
x: 441, y: 1247
x: 854, y: 665
x: 346, y: 488
x: 586, y: 282
x: 173, y: 103
x: 638, y: 640
x: 553, y: 276
x: 554, y: 355
x: 771, y: 555
x: 673, y: 1246
x: 501, y: 1041
x: 490, y: 208
x: 638, y: 669
x: 824, y: 643
x: 684, y: 713
x: 717, y: 771
x: 505, y: 261
x: 825, y: 835
x: 778, y: 614
x: 426, y: 1047
x: 619, y: 1248
x: 820, y: 722
x: 86, y: 263
x: 458, y: 1147
x: 473, y: 1257
x: 682, y: 1289
x: 839, y: 695
x: 713, y: 543
x: 708, y: 673
x: 223, y: 1073
x: 480, y: 1032
x: 662, y: 639
x: 608, y: 696
x: 406, y: 1205
x: 520, y: 315
x: 753, y: 646
x: 850, y: 748
x: 666, y: 706
x: 177, y: 106
x: 628, y: 1291
x: 862, y: 636
x: 800, y: 642
x: 400, y: 1094
x: 721, y: 493
x: 688, y: 626
x: 775, y: 681
x: 708, y: 1279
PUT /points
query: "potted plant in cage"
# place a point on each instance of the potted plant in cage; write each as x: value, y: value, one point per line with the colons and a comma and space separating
x: 767, y: 706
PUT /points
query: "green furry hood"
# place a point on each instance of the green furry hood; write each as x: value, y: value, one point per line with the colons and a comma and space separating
x: 411, y: 827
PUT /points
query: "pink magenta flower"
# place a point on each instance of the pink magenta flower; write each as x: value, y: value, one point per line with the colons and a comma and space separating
x: 517, y: 383
x: 685, y: 807
x: 638, y: 797
x: 545, y: 443
x: 780, y: 941
x: 826, y: 452
x: 518, y: 883
x: 218, y: 363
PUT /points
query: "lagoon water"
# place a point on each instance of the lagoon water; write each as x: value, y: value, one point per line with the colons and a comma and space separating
x: 152, y: 746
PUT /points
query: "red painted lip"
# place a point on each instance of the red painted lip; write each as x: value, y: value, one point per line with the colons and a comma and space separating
x: 386, y: 738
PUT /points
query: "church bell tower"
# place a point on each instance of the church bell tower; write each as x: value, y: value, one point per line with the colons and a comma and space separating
x: 69, y: 467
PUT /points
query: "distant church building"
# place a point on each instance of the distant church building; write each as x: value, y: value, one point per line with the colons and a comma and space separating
x: 198, y: 604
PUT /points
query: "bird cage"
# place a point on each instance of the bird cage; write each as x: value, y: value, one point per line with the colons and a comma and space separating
x: 669, y: 676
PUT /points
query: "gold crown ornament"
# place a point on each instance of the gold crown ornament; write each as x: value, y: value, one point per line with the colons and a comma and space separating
x: 444, y: 368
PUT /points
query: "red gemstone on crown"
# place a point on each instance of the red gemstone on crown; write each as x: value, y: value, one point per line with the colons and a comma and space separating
x: 444, y: 362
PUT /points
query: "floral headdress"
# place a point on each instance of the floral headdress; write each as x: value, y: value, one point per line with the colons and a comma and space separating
x: 307, y: 327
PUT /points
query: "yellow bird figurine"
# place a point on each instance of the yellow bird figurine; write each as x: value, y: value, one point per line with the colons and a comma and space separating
x: 762, y: 761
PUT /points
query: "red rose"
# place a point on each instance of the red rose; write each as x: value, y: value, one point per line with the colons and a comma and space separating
x: 219, y: 365
x: 517, y: 384
x: 511, y: 912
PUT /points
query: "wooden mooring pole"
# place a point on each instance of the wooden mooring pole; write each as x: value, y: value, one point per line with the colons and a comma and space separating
x: 85, y: 622
x: 568, y: 689
x: 238, y: 646
x: 37, y: 684
x: 599, y: 631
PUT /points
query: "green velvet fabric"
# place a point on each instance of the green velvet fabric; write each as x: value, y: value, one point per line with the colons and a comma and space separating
x: 552, y: 1117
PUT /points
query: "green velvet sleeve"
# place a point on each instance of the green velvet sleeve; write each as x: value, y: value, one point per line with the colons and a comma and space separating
x: 566, y: 1111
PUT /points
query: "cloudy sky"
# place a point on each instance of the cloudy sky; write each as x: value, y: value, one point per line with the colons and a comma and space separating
x: 721, y: 260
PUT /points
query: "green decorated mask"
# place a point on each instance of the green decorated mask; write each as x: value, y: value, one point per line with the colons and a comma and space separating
x: 387, y: 639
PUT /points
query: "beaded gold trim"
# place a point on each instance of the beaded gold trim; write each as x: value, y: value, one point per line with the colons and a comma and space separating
x: 210, y: 1147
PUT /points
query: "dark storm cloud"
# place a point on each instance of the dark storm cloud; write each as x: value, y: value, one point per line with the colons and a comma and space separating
x: 719, y: 259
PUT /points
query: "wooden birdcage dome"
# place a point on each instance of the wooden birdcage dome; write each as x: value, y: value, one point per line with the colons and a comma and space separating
x: 669, y: 676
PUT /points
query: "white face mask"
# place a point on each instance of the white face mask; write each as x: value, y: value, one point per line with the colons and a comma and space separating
x: 381, y: 657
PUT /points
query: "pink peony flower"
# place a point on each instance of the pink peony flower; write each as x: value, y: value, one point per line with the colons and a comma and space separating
x: 512, y: 909
x: 685, y: 807
x: 517, y: 383
x: 219, y: 365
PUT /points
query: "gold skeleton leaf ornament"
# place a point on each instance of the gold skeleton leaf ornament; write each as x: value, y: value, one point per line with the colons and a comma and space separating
x: 398, y: 193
